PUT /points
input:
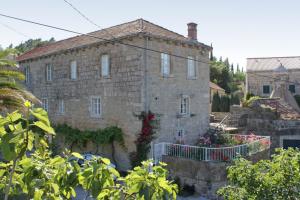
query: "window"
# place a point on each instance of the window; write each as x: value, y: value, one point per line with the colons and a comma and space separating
x: 184, y: 105
x: 266, y: 89
x: 165, y: 64
x: 45, y: 104
x: 73, y: 70
x: 61, y: 106
x: 95, y: 106
x: 27, y: 74
x: 180, y: 135
x: 292, y: 88
x: 49, y: 72
x: 105, y: 65
x: 191, y: 69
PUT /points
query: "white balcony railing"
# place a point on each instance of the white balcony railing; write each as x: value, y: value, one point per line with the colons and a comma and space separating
x: 227, y: 153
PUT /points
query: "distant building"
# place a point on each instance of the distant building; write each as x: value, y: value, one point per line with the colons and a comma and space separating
x: 274, y: 77
x: 90, y: 83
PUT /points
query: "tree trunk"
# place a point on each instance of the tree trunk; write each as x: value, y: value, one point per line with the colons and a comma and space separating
x: 113, y: 151
x: 10, y: 179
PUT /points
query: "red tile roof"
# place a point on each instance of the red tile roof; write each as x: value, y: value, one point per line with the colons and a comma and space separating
x: 215, y: 86
x: 119, y: 31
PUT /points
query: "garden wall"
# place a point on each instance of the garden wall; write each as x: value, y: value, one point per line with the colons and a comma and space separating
x: 206, y: 177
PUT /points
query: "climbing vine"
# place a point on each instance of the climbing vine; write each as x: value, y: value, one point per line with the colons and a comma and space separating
x: 143, y: 142
x: 75, y: 137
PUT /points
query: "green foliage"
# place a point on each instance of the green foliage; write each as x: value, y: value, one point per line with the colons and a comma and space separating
x: 220, y: 104
x: 12, y: 93
x: 149, y: 182
x: 32, y: 43
x: 250, y: 101
x: 223, y: 74
x: 249, y: 95
x: 225, y: 103
x: 31, y: 172
x: 216, y: 103
x: 234, y: 99
x: 76, y: 137
x: 278, y: 178
x: 297, y: 98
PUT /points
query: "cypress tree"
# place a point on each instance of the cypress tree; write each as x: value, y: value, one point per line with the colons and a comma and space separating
x: 215, y: 107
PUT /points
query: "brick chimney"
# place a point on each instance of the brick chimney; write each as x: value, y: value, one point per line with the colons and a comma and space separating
x: 192, y: 31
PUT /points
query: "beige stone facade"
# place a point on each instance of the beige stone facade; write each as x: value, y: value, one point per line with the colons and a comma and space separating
x: 134, y: 84
x: 264, y: 72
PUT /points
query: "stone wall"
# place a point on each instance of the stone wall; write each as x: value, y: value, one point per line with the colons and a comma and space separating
x: 134, y: 85
x: 256, y: 80
x: 121, y: 93
x: 165, y: 92
x: 206, y: 177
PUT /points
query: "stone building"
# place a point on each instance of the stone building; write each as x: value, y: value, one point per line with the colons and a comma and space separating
x: 91, y: 83
x: 265, y: 74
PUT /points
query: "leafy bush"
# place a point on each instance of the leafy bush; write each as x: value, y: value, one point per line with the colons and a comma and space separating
x: 265, y: 180
x: 250, y: 101
x: 29, y: 169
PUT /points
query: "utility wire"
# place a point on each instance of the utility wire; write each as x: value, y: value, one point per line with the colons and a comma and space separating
x: 88, y: 19
x: 80, y: 13
x: 13, y: 29
x: 96, y: 37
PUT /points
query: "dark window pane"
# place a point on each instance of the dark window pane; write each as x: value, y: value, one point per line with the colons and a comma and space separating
x: 292, y: 88
x: 266, y: 89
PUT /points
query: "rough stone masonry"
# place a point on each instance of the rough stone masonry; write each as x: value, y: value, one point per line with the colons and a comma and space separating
x: 135, y: 82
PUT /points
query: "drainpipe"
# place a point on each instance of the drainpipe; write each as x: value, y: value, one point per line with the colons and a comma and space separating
x: 146, y: 93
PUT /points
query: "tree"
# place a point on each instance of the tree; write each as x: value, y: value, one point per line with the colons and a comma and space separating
x: 12, y: 93
x: 278, y: 178
x: 238, y: 68
x: 215, y: 107
x: 32, y: 43
x: 232, y: 69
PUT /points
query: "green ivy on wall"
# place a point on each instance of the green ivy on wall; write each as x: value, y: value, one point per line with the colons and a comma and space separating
x: 75, y: 137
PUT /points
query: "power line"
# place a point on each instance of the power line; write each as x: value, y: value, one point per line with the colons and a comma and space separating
x: 96, y: 37
x: 88, y: 19
x: 13, y: 29
x: 80, y: 13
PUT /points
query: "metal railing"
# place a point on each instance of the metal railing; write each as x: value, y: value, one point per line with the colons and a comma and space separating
x: 227, y: 153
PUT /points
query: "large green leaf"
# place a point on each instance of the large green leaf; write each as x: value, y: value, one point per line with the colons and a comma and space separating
x: 44, y: 127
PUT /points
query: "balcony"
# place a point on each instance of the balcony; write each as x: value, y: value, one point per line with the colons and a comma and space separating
x: 235, y: 146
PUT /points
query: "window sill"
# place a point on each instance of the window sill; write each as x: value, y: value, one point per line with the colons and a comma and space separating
x: 192, y: 78
x: 168, y: 76
x: 179, y: 115
x: 106, y: 77
x: 96, y: 116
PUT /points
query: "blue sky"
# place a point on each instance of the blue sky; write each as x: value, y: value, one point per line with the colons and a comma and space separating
x: 238, y: 29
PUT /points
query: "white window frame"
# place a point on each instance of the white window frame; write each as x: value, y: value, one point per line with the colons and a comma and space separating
x: 27, y: 74
x: 184, y: 108
x: 95, y: 106
x: 73, y: 70
x: 105, y: 65
x: 48, y: 72
x: 165, y: 64
x: 191, y: 67
x: 61, y: 106
x: 45, y: 104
